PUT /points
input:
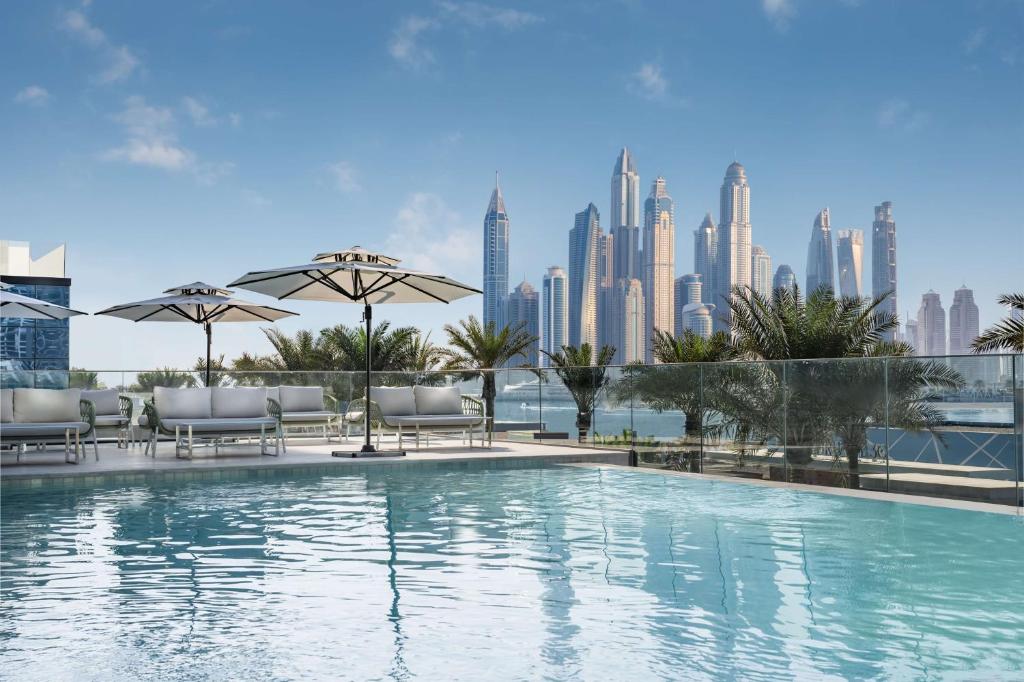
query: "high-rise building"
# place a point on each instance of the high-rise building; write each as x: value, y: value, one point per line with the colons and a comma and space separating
x: 784, y: 278
x: 883, y: 259
x: 625, y: 217
x: 734, y: 240
x: 659, y: 254
x: 691, y: 313
x: 819, y: 255
x: 705, y: 255
x: 555, y: 307
x: 850, y: 257
x: 584, y: 246
x: 760, y: 271
x: 963, y: 322
x: 523, y: 308
x: 634, y: 331
x: 608, y: 326
x: 910, y: 333
x: 931, y: 326
x: 496, y: 225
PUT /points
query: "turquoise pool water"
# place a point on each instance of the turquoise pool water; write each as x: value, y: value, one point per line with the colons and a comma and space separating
x: 545, y: 573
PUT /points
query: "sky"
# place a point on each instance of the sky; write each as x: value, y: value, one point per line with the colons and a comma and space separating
x: 174, y: 142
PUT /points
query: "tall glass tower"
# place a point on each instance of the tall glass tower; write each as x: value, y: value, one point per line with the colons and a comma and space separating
x: 659, y: 254
x: 784, y: 278
x: 496, y: 225
x: 883, y: 259
x: 523, y: 308
x: 850, y: 258
x: 625, y: 217
x: 931, y: 326
x: 734, y: 240
x: 761, y: 271
x: 584, y: 246
x: 555, y: 305
x: 819, y: 255
x: 705, y: 255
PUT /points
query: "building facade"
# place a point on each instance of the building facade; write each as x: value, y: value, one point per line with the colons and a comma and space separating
x: 584, y: 246
x: 820, y: 272
x: 634, y: 330
x: 523, y: 308
x: 850, y: 259
x: 931, y: 326
x: 964, y: 327
x: 659, y: 256
x: 760, y: 271
x: 496, y: 233
x: 555, y: 311
x: 883, y: 259
x: 734, y: 240
x: 624, y: 223
x: 705, y: 255
x: 691, y: 313
x: 784, y: 278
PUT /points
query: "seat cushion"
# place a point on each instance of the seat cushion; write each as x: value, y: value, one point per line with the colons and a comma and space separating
x: 250, y: 425
x: 23, y: 430
x: 301, y: 398
x: 106, y: 400
x: 234, y: 403
x: 321, y: 416
x: 6, y: 404
x: 44, y: 405
x: 110, y: 420
x: 183, y: 403
x: 435, y: 420
x: 438, y: 400
x: 394, y: 400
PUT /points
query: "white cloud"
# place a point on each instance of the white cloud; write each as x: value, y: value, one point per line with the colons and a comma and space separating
x: 898, y: 114
x: 35, y: 95
x: 154, y: 153
x: 481, y: 15
x: 198, y: 112
x: 779, y: 12
x: 255, y: 199
x: 405, y: 44
x: 346, y: 179
x: 975, y: 39
x: 650, y: 82
x: 120, y: 61
x: 429, y: 235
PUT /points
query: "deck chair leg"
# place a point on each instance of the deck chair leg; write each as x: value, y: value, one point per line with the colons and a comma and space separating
x: 95, y: 445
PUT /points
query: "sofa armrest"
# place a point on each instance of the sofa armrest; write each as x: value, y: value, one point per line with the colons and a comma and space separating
x: 126, y: 406
x: 152, y: 416
x: 359, y: 404
x: 88, y: 411
x: 274, y: 409
x: 475, y: 406
x: 330, y: 403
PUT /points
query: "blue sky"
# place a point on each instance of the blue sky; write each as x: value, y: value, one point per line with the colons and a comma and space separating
x: 184, y: 141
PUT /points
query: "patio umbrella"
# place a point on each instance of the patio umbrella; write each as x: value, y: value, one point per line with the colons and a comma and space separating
x: 26, y: 307
x: 355, y: 276
x: 198, y: 303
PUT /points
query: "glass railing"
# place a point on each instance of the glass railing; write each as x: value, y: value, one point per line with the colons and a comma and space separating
x: 943, y: 426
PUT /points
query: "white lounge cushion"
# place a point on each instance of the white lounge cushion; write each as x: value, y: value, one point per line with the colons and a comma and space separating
x: 6, y: 405
x: 183, y: 403
x: 46, y: 405
x: 231, y: 403
x: 318, y: 417
x: 301, y: 398
x: 105, y: 399
x: 394, y: 400
x: 438, y: 400
x: 55, y: 429
x: 434, y: 420
x: 251, y: 425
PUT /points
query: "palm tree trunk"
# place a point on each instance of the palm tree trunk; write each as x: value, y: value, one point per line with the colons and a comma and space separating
x: 853, y: 464
x: 583, y: 421
x: 489, y: 391
x: 692, y: 427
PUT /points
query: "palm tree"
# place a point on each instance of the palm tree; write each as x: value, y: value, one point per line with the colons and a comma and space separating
x: 1008, y: 334
x: 217, y: 370
x: 584, y: 376
x: 479, y: 349
x: 145, y: 382
x: 81, y: 378
x: 391, y: 348
x: 425, y: 358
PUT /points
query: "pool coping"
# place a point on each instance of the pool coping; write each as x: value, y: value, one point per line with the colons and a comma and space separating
x: 879, y: 496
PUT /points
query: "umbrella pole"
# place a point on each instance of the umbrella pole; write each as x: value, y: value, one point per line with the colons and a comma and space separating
x: 367, y: 316
x: 209, y: 342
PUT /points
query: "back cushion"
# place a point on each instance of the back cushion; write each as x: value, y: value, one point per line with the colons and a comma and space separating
x: 233, y: 403
x: 394, y: 401
x: 6, y: 404
x: 182, y: 403
x: 301, y: 398
x: 47, y: 405
x: 438, y: 400
x: 105, y: 400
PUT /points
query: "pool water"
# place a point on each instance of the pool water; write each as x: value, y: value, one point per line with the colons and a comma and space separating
x: 541, y: 573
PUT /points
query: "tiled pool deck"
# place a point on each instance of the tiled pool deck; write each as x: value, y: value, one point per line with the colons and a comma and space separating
x: 131, y: 466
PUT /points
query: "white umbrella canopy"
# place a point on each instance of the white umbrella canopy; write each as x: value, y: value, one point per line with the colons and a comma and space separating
x: 26, y: 307
x: 355, y: 275
x: 199, y: 303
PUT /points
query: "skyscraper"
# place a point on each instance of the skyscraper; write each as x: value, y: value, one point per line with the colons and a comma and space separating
x: 963, y: 322
x: 734, y: 240
x: 659, y: 254
x: 784, y: 278
x: 496, y: 226
x: 608, y: 326
x: 850, y: 257
x: 634, y: 331
x: 760, y: 271
x: 691, y: 313
x: 523, y: 307
x: 931, y: 326
x: 883, y: 259
x: 584, y: 243
x: 625, y: 217
x: 705, y: 254
x: 819, y: 255
x: 910, y: 333
x: 555, y: 327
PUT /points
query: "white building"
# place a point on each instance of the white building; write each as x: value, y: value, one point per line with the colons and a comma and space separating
x: 555, y: 311
x: 760, y: 271
x: 584, y: 245
x: 931, y: 326
x: 734, y: 239
x: 659, y: 255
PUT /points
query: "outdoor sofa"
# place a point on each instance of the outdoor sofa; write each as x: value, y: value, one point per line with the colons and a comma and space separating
x: 213, y: 414
x: 416, y: 409
x: 42, y: 416
x: 113, y: 412
x: 304, y: 406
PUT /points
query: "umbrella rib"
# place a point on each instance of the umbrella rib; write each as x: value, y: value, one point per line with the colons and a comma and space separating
x: 35, y: 310
x: 422, y: 291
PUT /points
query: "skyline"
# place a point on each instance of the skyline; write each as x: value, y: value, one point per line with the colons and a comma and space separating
x: 273, y: 125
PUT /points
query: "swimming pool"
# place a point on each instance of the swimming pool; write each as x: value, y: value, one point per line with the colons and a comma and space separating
x: 471, y: 573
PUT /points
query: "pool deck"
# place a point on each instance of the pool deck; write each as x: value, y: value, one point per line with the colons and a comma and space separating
x: 46, y: 469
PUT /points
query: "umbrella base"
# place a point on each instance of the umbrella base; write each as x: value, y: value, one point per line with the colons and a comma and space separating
x: 368, y: 453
